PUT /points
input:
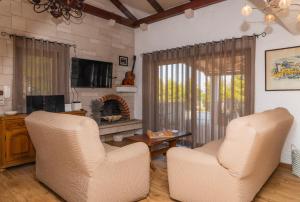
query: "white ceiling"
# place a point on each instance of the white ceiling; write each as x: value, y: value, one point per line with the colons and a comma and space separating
x: 139, y: 8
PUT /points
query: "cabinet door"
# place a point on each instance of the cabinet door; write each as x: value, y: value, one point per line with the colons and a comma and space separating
x: 18, y: 145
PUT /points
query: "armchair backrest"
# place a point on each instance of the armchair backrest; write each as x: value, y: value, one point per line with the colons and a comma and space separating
x: 255, y: 142
x: 68, y: 141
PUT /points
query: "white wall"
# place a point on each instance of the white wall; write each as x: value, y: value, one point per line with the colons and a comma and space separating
x: 213, y: 23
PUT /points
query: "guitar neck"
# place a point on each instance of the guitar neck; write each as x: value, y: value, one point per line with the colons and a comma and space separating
x: 134, y: 59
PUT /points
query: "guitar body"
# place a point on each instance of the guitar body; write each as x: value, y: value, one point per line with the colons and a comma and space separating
x: 130, y: 76
x: 129, y: 79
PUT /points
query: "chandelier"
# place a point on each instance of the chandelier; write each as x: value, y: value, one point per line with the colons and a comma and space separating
x: 271, y: 7
x: 59, y: 8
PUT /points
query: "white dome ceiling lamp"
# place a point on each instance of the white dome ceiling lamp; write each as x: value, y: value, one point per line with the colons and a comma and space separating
x: 144, y: 27
x: 189, y: 13
x: 271, y: 8
x: 111, y: 22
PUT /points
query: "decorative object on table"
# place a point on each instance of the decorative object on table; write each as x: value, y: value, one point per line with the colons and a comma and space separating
x: 118, y: 138
x: 97, y: 108
x: 130, y: 76
x: 123, y: 61
x: 58, y: 8
x: 295, y: 160
x: 11, y: 113
x: 68, y: 107
x: 76, y: 106
x: 273, y: 8
x: 282, y: 69
x: 159, y: 134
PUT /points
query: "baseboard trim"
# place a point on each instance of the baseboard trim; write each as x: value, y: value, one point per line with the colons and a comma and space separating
x: 285, y: 165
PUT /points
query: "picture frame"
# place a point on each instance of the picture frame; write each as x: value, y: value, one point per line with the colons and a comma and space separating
x: 282, y: 69
x: 123, y: 61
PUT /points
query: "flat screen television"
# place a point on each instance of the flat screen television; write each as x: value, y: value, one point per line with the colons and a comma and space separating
x: 91, y: 74
x: 50, y: 103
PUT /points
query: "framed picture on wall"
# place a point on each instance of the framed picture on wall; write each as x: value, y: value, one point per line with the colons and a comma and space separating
x: 123, y: 61
x: 282, y: 68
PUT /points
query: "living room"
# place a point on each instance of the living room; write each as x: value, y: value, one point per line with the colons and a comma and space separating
x: 154, y: 100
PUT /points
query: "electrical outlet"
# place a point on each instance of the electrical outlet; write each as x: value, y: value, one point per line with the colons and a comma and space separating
x: 1, y: 98
x: 6, y: 92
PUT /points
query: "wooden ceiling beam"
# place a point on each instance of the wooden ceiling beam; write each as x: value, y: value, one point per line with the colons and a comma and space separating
x: 107, y: 15
x: 195, y: 4
x: 124, y: 10
x: 156, y: 5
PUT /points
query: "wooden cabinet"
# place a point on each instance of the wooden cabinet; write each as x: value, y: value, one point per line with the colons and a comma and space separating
x: 18, y: 146
x: 15, y: 144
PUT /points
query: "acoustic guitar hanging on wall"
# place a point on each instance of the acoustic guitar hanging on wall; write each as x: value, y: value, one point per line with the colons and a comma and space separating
x: 129, y: 76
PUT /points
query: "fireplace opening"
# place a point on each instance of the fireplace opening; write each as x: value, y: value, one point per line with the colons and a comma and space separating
x: 110, y: 109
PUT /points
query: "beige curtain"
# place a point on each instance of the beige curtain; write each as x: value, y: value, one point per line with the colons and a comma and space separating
x: 199, y: 88
x: 40, y: 68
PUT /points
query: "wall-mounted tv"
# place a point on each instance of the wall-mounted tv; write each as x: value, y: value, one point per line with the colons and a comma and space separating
x: 91, y: 74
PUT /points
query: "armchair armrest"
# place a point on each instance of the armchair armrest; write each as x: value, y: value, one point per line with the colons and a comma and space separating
x: 128, y: 152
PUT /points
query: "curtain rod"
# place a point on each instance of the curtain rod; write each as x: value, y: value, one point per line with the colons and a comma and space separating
x: 263, y: 34
x: 40, y: 39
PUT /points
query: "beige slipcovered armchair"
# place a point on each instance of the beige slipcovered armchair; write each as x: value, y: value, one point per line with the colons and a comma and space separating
x: 72, y: 161
x: 235, y: 169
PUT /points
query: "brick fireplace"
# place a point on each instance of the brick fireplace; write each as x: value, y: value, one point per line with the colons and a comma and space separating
x: 115, y: 105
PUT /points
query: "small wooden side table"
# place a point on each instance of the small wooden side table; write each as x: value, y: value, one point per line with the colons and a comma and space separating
x: 159, y: 146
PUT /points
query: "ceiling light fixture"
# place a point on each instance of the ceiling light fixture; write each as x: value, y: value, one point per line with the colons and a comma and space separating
x: 59, y: 8
x: 272, y: 7
x: 298, y: 17
x: 189, y: 13
x: 144, y: 27
x: 270, y: 18
x: 247, y: 10
x: 111, y: 22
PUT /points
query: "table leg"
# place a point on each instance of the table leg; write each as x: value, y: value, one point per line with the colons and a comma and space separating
x: 172, y: 143
x: 152, y: 167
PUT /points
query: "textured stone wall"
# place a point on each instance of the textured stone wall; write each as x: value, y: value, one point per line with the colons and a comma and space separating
x: 94, y: 38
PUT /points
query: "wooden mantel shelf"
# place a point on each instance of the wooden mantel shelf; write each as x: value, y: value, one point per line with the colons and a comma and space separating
x: 126, y: 89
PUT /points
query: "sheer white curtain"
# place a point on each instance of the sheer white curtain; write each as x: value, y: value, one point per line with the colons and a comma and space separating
x: 199, y: 88
x: 40, y: 68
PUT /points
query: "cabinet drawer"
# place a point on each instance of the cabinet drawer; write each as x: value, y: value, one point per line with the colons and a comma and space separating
x: 15, y: 124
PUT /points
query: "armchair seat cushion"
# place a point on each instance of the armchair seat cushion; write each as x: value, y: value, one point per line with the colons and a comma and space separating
x: 108, y: 148
x: 211, y: 148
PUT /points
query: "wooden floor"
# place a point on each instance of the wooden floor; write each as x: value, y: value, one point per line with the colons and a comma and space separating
x: 19, y: 185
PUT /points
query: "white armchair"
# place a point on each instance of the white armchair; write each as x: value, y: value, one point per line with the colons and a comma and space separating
x: 71, y: 160
x: 233, y: 169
